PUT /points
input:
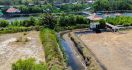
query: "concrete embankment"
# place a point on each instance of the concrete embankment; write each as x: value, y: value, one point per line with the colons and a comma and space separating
x: 87, y: 56
x: 81, y: 54
x: 74, y: 61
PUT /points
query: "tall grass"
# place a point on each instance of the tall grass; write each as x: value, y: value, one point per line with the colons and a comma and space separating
x: 53, y: 54
x: 28, y: 64
x: 120, y: 20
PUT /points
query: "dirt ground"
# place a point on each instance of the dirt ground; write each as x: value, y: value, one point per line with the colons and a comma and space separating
x: 12, y: 48
x: 113, y: 50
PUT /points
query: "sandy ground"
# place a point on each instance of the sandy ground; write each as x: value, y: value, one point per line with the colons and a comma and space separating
x: 11, y: 51
x: 114, y: 50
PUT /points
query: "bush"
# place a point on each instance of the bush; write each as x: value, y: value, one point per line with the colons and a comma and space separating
x: 72, y: 20
x: 120, y: 20
x: 4, y: 23
x: 28, y: 64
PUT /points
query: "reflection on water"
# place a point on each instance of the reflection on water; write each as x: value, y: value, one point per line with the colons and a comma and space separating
x: 17, y: 18
x: 113, y: 15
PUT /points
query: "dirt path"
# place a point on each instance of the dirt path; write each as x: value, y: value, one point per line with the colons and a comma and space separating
x: 114, y: 50
x: 11, y: 50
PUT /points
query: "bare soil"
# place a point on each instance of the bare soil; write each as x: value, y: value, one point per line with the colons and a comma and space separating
x: 113, y: 50
x: 13, y: 49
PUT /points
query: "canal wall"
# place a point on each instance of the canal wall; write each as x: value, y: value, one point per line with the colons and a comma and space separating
x: 88, y: 57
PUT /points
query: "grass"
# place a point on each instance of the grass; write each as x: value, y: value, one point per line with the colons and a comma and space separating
x: 54, y: 56
x: 28, y: 64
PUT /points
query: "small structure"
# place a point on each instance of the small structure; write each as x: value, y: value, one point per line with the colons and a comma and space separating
x: 94, y: 17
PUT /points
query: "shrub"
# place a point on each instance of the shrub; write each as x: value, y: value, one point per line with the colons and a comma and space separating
x: 28, y: 64
x: 72, y: 20
x: 4, y: 23
x: 120, y: 20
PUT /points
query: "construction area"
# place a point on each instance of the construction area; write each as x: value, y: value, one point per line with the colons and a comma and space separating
x: 112, y: 49
x: 20, y: 46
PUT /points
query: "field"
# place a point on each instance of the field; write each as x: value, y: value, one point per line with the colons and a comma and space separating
x: 113, y: 50
x: 20, y: 46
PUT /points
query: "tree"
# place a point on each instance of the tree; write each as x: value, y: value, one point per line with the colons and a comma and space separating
x: 48, y: 20
x: 104, y: 5
x: 102, y: 24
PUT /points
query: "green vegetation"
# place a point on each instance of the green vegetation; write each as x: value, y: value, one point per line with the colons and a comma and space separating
x: 120, y: 20
x: 49, y: 8
x: 58, y: 23
x: 4, y: 23
x: 102, y: 24
x: 18, y: 29
x: 73, y: 7
x: 71, y: 22
x: 36, y: 2
x: 110, y: 5
x: 38, y: 9
x: 54, y: 57
x: 28, y: 64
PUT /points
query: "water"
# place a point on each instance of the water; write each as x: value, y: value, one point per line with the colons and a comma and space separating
x: 113, y: 15
x: 72, y: 59
x: 18, y: 18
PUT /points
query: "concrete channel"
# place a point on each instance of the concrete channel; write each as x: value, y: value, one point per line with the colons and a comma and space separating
x: 73, y: 58
x: 79, y: 57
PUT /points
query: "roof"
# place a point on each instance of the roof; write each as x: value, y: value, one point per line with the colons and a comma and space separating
x: 12, y: 10
x: 94, y: 17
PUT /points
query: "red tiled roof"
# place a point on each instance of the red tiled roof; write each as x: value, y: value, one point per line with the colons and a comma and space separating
x: 12, y: 10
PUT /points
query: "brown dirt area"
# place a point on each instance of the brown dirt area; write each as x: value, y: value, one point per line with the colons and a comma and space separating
x: 11, y: 49
x: 113, y: 50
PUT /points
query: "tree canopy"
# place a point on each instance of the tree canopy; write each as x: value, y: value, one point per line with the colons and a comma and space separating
x: 108, y: 5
